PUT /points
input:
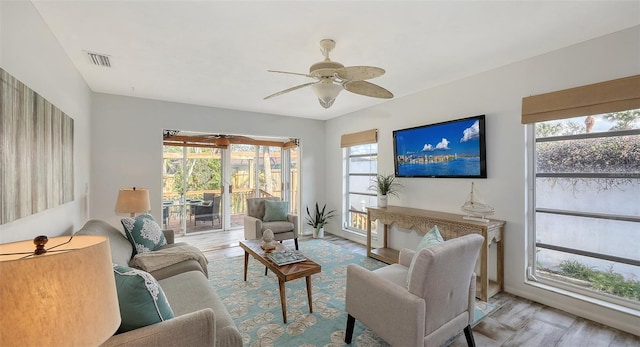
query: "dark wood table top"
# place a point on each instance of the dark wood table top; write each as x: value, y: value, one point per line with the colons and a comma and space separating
x: 284, y: 272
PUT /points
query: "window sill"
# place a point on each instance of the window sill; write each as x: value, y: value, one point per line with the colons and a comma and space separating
x: 605, y: 304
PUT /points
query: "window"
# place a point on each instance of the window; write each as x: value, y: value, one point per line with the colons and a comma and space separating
x: 361, y: 167
x: 587, y: 212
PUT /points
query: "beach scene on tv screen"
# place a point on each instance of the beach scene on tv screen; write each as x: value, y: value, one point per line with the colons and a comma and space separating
x: 448, y: 149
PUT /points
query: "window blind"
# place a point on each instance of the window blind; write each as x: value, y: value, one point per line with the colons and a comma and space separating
x: 359, y: 138
x: 610, y: 96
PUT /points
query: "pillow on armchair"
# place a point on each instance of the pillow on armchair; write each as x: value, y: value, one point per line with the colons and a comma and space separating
x: 431, y: 238
x: 275, y: 210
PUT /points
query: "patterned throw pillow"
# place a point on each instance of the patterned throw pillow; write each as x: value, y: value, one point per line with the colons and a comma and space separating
x: 431, y: 238
x: 275, y: 211
x: 141, y: 299
x: 144, y: 233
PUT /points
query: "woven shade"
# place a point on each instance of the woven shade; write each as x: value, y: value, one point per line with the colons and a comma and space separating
x: 605, y: 97
x: 360, y: 138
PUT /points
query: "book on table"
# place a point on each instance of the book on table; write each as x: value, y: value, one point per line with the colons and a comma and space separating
x: 286, y: 257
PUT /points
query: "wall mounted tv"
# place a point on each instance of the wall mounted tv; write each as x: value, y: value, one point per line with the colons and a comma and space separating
x: 453, y: 149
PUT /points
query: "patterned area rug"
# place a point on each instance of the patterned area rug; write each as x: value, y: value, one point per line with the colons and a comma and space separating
x: 255, y: 304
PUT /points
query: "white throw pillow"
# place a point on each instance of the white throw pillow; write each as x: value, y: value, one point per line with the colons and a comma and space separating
x: 431, y: 238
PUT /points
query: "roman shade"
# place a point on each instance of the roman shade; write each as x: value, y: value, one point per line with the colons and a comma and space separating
x: 610, y: 96
x: 359, y: 138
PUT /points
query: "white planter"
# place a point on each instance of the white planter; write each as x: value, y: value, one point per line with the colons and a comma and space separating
x: 382, y: 201
x: 318, y: 233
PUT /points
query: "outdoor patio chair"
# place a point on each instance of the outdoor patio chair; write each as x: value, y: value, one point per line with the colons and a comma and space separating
x: 207, y: 210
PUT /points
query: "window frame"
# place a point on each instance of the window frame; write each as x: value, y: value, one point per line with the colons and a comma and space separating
x: 347, y: 189
x: 532, y: 211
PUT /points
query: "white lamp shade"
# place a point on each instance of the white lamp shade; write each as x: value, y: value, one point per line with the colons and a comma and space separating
x: 133, y: 200
x: 59, y: 298
x: 327, y: 92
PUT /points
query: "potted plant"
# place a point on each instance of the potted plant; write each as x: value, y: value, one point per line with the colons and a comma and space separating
x: 319, y: 219
x: 385, y: 185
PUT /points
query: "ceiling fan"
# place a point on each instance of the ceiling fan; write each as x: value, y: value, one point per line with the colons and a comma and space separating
x: 332, y: 77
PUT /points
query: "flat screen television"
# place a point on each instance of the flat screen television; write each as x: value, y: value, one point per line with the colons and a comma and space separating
x: 453, y: 149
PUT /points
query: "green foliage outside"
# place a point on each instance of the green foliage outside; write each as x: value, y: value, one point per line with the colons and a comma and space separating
x: 605, y: 154
x: 625, y: 120
x: 611, y: 155
x: 205, y: 175
x: 202, y: 173
x: 604, y: 281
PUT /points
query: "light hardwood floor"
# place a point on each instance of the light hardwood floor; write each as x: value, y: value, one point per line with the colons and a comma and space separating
x: 517, y: 322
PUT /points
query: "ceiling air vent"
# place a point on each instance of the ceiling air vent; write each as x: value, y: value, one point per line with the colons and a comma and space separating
x: 99, y: 59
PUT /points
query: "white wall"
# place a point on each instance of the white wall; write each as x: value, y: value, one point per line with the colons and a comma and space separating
x: 127, y: 145
x: 124, y: 138
x: 29, y: 52
x: 498, y: 94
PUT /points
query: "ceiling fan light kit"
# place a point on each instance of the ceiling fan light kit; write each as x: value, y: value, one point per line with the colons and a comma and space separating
x: 332, y: 77
x: 327, y: 92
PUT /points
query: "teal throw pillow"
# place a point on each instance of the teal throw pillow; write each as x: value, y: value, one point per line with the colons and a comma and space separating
x: 141, y: 299
x: 275, y: 211
x: 144, y: 233
x: 431, y: 238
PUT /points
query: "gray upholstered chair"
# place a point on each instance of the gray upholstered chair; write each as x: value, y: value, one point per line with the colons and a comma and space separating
x: 437, y: 305
x: 254, y: 224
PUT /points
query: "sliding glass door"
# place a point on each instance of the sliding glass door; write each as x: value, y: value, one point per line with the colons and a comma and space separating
x: 207, y: 179
x: 192, y: 181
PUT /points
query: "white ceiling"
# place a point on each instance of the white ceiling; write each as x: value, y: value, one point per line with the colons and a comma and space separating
x: 217, y: 53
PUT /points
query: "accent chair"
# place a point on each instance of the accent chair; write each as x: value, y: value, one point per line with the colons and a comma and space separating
x: 436, y: 305
x: 254, y: 223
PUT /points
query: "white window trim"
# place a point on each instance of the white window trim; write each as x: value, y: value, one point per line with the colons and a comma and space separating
x: 601, y: 299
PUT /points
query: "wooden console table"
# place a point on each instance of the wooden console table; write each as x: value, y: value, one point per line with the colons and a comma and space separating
x: 450, y: 226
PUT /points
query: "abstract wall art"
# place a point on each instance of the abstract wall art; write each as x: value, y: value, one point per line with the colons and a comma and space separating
x: 36, y: 152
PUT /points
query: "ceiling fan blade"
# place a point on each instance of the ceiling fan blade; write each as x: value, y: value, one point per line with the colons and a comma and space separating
x: 359, y: 73
x: 289, y: 90
x: 291, y: 73
x: 368, y: 89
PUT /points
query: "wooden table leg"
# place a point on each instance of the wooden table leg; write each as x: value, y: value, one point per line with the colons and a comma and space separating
x: 309, y: 294
x: 246, y: 264
x: 283, y: 301
x: 500, y: 265
x: 368, y: 234
x: 484, y: 272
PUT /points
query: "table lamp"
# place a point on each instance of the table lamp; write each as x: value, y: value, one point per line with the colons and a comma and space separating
x: 61, y: 294
x: 133, y: 200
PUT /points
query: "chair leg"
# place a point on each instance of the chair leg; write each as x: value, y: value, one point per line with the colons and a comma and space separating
x: 351, y: 320
x: 468, y: 334
x: 296, y: 242
x: 265, y: 270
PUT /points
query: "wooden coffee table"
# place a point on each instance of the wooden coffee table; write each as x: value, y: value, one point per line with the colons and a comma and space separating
x: 285, y: 273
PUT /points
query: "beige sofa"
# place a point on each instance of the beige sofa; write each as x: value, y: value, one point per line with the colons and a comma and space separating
x: 201, y: 318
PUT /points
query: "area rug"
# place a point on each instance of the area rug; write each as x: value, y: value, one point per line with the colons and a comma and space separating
x: 255, y: 304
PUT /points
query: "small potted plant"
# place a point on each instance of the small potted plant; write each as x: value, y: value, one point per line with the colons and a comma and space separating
x: 385, y: 185
x: 319, y: 219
